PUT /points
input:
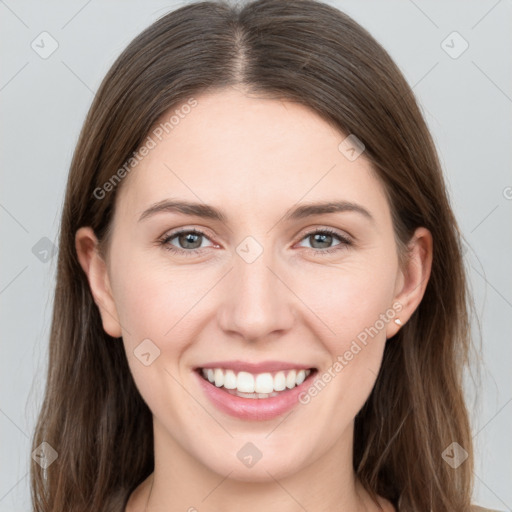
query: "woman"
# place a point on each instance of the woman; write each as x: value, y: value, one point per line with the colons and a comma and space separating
x: 260, y: 300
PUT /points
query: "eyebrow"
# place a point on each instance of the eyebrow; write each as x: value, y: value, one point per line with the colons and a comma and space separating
x: 209, y: 212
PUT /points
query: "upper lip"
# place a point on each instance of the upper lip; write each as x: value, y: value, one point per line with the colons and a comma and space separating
x: 255, y: 368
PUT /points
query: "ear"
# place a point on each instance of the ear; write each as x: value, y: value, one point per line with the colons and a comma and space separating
x: 413, y: 279
x: 95, y: 268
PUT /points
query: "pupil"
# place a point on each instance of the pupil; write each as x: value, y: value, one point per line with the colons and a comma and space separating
x: 189, y: 238
x: 324, y: 238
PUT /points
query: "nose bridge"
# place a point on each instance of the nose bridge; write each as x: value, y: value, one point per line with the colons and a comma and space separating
x: 258, y: 301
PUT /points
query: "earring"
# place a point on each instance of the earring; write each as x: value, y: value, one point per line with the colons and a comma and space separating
x: 398, y: 321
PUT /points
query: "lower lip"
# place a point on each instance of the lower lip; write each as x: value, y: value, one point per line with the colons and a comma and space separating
x: 254, y: 409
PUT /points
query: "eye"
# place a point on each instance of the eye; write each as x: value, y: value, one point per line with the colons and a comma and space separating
x: 324, y: 237
x: 189, y: 239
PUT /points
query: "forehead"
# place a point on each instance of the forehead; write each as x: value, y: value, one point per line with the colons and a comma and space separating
x: 248, y: 154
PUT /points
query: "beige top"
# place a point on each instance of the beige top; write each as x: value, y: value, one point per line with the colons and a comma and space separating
x: 136, y: 501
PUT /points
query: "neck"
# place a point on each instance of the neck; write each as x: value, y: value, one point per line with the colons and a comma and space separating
x: 180, y: 482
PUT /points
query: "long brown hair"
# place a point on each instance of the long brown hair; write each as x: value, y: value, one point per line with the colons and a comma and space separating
x: 303, y: 51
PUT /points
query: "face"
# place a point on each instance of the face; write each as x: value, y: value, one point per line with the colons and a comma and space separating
x: 266, y: 287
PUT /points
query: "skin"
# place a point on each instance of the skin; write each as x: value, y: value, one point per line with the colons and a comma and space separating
x: 255, y: 159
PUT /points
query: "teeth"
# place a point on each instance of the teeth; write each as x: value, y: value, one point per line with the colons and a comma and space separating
x: 280, y: 381
x: 245, y: 382
x: 264, y: 383
x: 301, y: 375
x: 261, y: 385
x: 219, y: 377
x: 290, y: 379
x: 230, y: 379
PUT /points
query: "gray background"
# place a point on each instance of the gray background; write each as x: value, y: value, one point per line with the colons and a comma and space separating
x: 467, y: 102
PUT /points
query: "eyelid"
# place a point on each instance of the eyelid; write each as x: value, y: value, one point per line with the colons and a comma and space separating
x: 343, y: 235
x: 346, y: 240
x: 169, y: 235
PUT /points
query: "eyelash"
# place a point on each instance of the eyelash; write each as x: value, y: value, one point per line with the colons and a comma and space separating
x: 344, y: 241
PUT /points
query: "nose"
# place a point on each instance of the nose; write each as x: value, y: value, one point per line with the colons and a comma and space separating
x: 259, y: 302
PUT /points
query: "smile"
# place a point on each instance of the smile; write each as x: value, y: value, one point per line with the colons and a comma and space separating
x: 254, y: 395
x: 248, y: 385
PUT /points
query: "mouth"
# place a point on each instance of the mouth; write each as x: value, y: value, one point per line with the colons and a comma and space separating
x: 254, y: 395
x: 255, y: 386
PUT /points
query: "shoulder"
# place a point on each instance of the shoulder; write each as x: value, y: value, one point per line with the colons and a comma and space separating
x: 477, y: 508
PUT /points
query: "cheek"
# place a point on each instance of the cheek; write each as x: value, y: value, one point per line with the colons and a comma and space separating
x: 152, y: 304
x: 152, y: 299
x: 349, y: 298
x: 160, y: 309
x: 355, y: 302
